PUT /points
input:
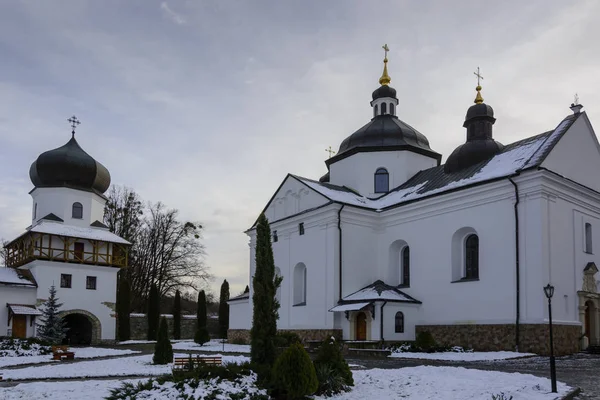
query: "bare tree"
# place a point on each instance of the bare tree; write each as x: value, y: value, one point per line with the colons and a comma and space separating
x: 3, y: 252
x: 123, y: 212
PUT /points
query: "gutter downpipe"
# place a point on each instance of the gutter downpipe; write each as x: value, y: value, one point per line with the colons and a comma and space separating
x: 381, y: 322
x: 340, y: 249
x: 517, y: 266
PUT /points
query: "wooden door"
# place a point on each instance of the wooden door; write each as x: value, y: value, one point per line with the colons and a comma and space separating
x: 19, y: 327
x: 588, y: 325
x: 79, y: 251
x: 361, y: 326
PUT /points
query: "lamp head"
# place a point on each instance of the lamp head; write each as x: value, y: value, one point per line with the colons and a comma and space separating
x: 549, y: 291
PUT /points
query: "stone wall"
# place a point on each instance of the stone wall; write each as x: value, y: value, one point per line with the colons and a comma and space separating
x: 534, y: 338
x: 139, y: 326
x: 243, y: 335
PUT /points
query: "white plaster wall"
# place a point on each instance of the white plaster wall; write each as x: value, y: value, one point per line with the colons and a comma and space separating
x: 78, y: 297
x: 59, y: 201
x: 358, y: 170
x: 15, y: 295
x: 291, y: 198
x: 411, y: 318
x: 240, y: 315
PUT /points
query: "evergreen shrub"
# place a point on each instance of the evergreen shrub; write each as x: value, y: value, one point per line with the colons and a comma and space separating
x: 425, y: 341
x: 286, y: 339
x: 201, y: 336
x: 163, y: 351
x: 330, y: 354
x: 294, y: 373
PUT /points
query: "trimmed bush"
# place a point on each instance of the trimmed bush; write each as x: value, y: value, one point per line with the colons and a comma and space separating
x: 294, y: 373
x: 330, y: 355
x: 163, y: 351
x: 286, y: 339
x: 201, y: 336
x: 425, y: 341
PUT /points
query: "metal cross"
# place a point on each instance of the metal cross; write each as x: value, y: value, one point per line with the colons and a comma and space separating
x: 576, y: 102
x: 386, y: 49
x: 479, y: 76
x: 74, y: 122
x: 330, y: 151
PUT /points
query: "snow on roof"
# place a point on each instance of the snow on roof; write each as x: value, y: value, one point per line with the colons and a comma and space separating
x: 11, y: 276
x: 517, y: 156
x: 55, y: 228
x: 379, y: 291
x: 23, y: 309
x: 349, y: 307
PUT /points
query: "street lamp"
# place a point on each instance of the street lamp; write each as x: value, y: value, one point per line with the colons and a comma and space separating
x: 549, y: 292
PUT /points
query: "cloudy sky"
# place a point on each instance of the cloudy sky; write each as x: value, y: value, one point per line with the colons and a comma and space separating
x: 206, y: 105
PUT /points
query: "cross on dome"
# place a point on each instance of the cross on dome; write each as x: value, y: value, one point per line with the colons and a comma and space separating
x: 74, y: 122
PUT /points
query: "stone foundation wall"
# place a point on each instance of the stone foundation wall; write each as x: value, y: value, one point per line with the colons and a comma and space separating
x: 139, y: 326
x: 243, y: 335
x: 534, y: 338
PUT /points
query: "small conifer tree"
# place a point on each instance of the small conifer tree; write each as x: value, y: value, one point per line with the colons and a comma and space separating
x: 153, y: 312
x: 294, y: 373
x: 201, y: 335
x: 265, y: 305
x: 163, y: 351
x: 177, y: 316
x: 124, y: 308
x: 224, y: 309
x: 52, y: 328
x: 330, y: 356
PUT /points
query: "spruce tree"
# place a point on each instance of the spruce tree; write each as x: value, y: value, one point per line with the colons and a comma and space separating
x: 265, y: 311
x: 153, y: 312
x: 177, y: 316
x: 201, y: 335
x: 163, y: 351
x: 53, y: 328
x: 124, y: 308
x: 224, y: 309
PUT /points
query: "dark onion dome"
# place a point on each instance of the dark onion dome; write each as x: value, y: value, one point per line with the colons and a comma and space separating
x: 384, y: 91
x: 480, y: 145
x: 384, y: 133
x: 69, y: 166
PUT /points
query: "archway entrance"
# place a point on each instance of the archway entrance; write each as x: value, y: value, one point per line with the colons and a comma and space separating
x: 361, y: 326
x: 83, y: 327
x: 590, y: 322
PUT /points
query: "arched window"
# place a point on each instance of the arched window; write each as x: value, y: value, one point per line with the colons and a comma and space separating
x: 383, y: 108
x: 588, y: 237
x: 392, y: 108
x: 300, y: 284
x: 472, y: 257
x: 278, y: 293
x: 382, y: 181
x: 399, y: 322
x: 406, y: 266
x: 375, y: 110
x: 77, y: 211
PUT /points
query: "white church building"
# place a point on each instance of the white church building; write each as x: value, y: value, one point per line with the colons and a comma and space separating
x: 67, y: 246
x: 391, y: 242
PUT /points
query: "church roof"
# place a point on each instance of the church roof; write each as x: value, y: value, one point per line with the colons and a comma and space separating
x: 13, y: 276
x: 518, y: 156
x: 379, y: 291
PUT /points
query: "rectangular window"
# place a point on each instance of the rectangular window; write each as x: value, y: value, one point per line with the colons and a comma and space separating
x: 90, y: 283
x: 65, y: 281
x: 78, y: 251
x: 301, y: 228
x: 275, y: 238
x: 588, y: 238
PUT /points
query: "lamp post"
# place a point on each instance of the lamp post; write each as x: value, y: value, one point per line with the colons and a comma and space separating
x: 549, y: 292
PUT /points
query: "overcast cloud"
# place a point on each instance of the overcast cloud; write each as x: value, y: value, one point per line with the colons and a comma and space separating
x: 206, y: 105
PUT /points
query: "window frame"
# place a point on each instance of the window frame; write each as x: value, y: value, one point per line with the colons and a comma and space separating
x: 66, y: 279
x: 383, y: 108
x: 588, y: 238
x: 88, y: 280
x: 381, y: 171
x: 391, y: 108
x: 301, y: 228
x: 405, y: 267
x: 399, y: 327
x: 471, y: 260
x: 299, y: 299
x: 275, y: 237
x: 79, y: 207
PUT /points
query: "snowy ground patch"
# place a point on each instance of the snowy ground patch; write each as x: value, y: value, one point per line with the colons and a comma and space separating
x: 447, y: 383
x: 464, y: 356
x: 77, y: 390
x: 125, y: 366
x: 213, y: 345
x: 83, y: 352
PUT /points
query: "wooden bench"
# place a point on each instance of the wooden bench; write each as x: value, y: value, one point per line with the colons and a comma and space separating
x: 62, y: 352
x: 188, y: 363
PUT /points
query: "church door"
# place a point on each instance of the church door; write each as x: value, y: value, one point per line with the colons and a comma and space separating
x: 19, y: 327
x: 588, y: 322
x: 361, y: 326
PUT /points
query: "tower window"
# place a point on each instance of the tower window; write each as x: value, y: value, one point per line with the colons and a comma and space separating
x: 382, y: 181
x: 406, y: 266
x: 77, y: 211
x: 392, y: 108
x: 301, y: 228
x: 383, y: 108
x: 375, y: 109
x: 472, y: 257
x: 588, y: 237
x: 35, y: 211
x: 275, y: 237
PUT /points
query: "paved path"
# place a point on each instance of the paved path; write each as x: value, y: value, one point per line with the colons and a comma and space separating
x: 579, y: 370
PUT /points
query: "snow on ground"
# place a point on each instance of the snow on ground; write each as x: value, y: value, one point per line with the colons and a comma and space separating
x: 149, y: 341
x: 213, y: 345
x: 447, y: 383
x: 125, y: 366
x: 83, y: 352
x: 422, y: 383
x: 464, y: 356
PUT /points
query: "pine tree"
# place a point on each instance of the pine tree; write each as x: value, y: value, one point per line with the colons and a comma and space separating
x: 177, y: 316
x: 124, y: 308
x: 265, y: 311
x: 153, y: 312
x: 53, y: 328
x: 163, y: 351
x: 201, y: 335
x: 224, y: 309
